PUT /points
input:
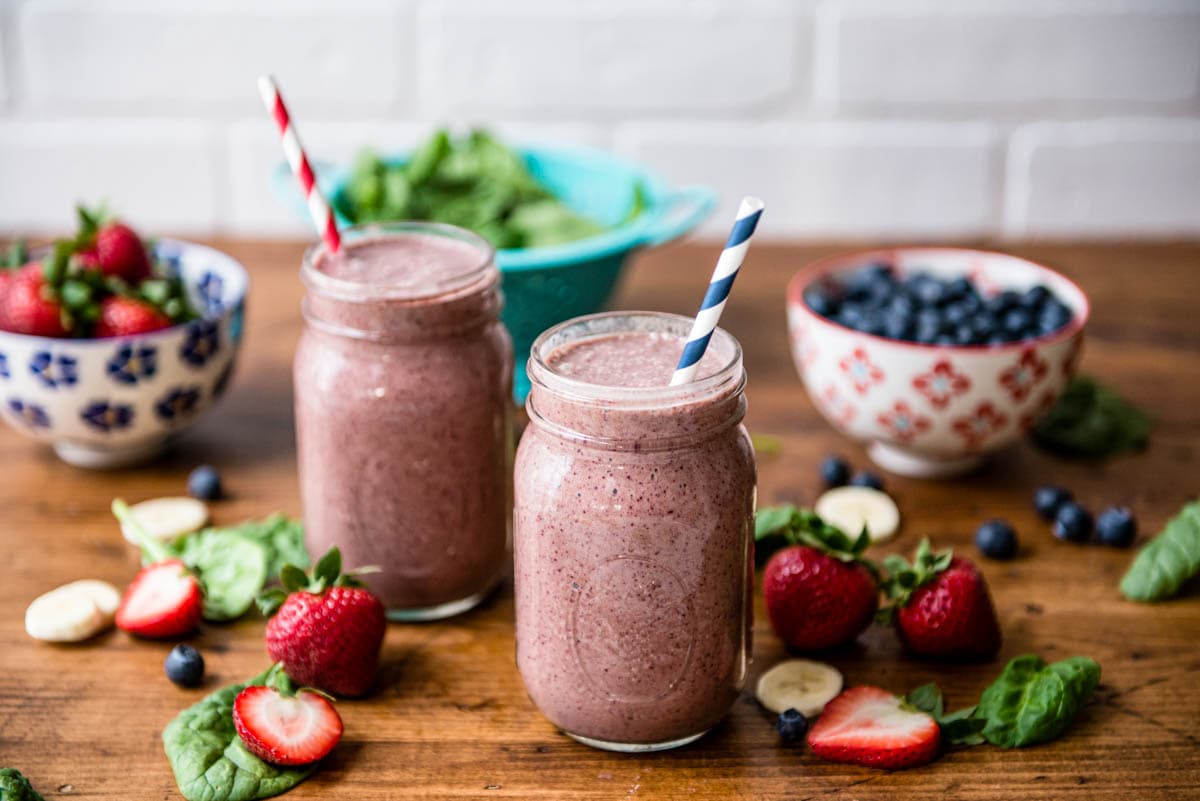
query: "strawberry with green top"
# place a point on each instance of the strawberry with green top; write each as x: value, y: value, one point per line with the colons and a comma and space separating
x: 31, y: 306
x: 941, y: 606
x: 121, y: 316
x: 820, y: 591
x: 326, y: 629
x: 112, y: 246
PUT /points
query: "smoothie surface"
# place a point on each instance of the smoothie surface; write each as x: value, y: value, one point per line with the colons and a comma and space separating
x: 634, y: 359
x: 402, y: 260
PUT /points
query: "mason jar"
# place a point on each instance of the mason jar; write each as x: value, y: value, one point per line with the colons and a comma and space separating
x: 633, y: 538
x: 403, y: 378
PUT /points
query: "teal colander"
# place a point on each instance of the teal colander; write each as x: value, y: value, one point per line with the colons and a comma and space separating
x: 544, y: 286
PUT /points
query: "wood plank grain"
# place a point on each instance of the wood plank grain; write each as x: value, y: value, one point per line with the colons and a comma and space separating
x: 451, y: 719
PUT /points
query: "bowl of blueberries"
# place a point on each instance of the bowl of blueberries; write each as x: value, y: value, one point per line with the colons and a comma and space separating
x: 934, y: 357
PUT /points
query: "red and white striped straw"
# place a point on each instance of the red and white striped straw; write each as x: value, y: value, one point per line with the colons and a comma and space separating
x: 317, y: 207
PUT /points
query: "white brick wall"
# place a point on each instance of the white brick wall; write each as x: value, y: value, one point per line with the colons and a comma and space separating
x: 862, y: 119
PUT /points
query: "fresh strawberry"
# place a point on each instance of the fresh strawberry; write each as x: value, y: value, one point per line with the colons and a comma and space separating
x: 121, y: 253
x: 820, y: 593
x: 164, y: 600
x: 30, y: 305
x: 122, y: 316
x: 86, y: 259
x: 941, y: 606
x: 869, y: 726
x: 286, y: 729
x: 328, y: 631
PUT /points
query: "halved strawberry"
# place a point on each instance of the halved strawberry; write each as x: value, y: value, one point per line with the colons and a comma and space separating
x: 283, y: 729
x: 164, y: 600
x: 869, y: 726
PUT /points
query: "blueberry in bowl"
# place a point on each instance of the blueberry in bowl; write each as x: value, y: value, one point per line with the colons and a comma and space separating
x: 934, y: 357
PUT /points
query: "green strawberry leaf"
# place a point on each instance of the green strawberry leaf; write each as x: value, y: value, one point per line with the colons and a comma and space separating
x: 901, y: 578
x: 293, y: 578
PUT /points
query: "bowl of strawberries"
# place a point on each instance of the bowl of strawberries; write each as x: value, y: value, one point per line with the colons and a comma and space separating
x: 111, y: 345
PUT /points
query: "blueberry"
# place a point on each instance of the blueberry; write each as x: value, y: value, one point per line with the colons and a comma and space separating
x: 930, y: 292
x: 1002, y: 302
x: 1116, y: 526
x: 1048, y: 500
x: 996, y: 339
x: 1034, y: 297
x: 897, y: 326
x: 945, y: 339
x: 875, y: 322
x: 960, y: 288
x: 205, y: 483
x: 996, y: 539
x: 1072, y: 523
x: 834, y: 471
x: 851, y: 316
x: 822, y: 303
x: 865, y: 478
x: 965, y: 335
x: 184, y: 666
x: 957, y: 313
x: 1016, y: 322
x: 984, y: 325
x: 791, y: 726
x: 1054, y: 315
x: 902, y: 305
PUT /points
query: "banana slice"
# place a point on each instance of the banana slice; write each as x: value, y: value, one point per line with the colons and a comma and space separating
x: 799, y: 684
x: 66, y: 614
x: 850, y: 508
x: 166, y: 518
x: 106, y: 597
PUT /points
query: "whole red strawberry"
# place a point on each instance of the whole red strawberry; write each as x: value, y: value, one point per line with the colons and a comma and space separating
x: 942, y: 606
x: 820, y: 593
x: 120, y: 252
x: 30, y: 305
x: 122, y: 316
x: 326, y: 630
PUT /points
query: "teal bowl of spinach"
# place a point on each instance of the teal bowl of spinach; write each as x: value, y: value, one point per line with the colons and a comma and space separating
x: 564, y: 221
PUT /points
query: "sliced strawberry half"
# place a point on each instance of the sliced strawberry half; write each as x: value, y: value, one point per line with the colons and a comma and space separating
x: 164, y: 600
x: 869, y: 726
x: 286, y: 730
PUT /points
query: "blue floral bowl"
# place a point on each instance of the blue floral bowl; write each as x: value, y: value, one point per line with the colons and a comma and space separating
x: 105, y: 403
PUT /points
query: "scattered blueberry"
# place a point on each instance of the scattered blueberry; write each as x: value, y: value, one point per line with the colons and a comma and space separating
x: 1072, y: 523
x: 205, y: 483
x: 834, y: 471
x: 1116, y: 526
x: 184, y: 666
x: 996, y: 539
x: 1047, y: 500
x: 791, y: 726
x: 865, y: 478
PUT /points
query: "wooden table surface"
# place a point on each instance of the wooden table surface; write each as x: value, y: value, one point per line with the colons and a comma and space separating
x: 452, y: 720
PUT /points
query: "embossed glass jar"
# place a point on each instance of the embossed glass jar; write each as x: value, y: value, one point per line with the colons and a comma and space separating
x: 633, y: 542
x: 403, y: 381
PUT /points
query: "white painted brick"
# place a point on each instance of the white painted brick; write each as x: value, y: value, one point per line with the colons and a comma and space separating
x: 162, y: 175
x: 613, y: 57
x: 254, y: 152
x: 151, y: 57
x: 867, y: 180
x: 1046, y: 56
x: 1105, y: 178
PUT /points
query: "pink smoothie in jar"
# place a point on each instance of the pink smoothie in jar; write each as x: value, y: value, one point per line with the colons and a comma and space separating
x: 634, y: 509
x: 403, y: 414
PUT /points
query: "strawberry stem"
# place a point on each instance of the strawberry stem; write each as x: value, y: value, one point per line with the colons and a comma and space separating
x: 152, y: 549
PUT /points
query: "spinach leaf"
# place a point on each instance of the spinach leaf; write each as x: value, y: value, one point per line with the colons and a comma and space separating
x: 15, y: 787
x: 1168, y: 561
x: 232, y: 568
x: 1093, y: 421
x: 1032, y: 702
x: 283, y: 538
x: 209, y: 760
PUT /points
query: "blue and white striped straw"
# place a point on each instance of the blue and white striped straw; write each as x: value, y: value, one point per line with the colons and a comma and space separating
x: 718, y: 289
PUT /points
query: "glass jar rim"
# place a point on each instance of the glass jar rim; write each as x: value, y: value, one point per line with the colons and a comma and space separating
x: 729, y: 377
x: 363, y: 292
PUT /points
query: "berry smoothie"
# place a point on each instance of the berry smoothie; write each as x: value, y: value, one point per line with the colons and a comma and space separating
x: 634, y: 532
x: 403, y: 379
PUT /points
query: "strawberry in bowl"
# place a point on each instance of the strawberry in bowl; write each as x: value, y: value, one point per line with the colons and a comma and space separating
x: 934, y: 357
x: 111, y: 345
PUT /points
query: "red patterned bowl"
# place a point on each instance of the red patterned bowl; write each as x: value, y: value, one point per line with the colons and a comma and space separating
x: 932, y: 411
